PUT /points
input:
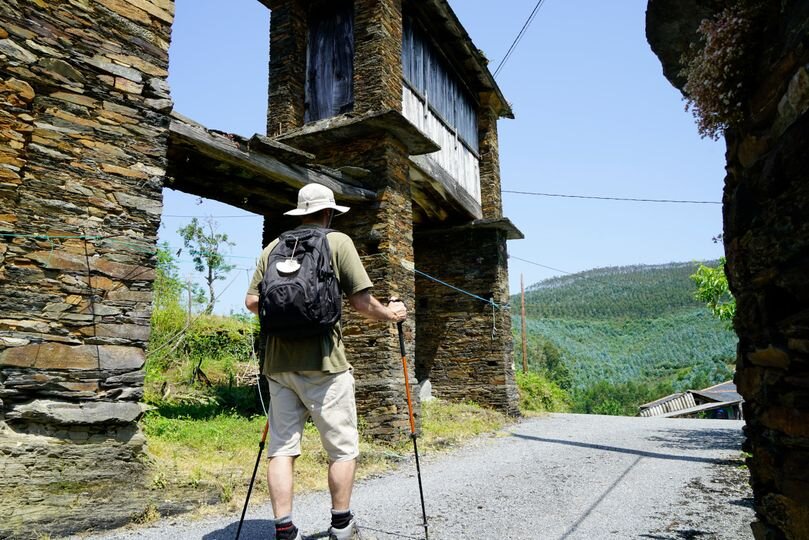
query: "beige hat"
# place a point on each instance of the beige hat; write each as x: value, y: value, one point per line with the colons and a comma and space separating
x: 314, y: 198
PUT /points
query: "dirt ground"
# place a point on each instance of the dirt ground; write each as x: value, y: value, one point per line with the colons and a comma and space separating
x: 717, y: 508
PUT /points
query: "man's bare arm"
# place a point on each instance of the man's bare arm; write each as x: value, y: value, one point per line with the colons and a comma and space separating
x: 367, y: 305
x: 363, y: 301
x: 251, y: 303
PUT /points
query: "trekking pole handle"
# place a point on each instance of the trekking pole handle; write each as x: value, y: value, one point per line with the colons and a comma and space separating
x: 399, y: 326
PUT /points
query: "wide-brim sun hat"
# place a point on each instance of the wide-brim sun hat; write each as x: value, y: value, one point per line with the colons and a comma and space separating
x: 314, y: 198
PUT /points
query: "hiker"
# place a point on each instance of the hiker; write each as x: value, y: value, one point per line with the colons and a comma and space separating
x: 311, y: 376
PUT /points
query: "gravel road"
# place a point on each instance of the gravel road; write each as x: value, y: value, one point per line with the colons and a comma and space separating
x: 561, y: 476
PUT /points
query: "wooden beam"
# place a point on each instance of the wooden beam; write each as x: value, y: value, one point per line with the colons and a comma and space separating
x: 502, y: 224
x: 460, y: 197
x: 280, y: 150
x: 264, y: 166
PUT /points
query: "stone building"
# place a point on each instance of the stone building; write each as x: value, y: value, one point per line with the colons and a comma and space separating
x: 766, y: 236
x: 387, y: 102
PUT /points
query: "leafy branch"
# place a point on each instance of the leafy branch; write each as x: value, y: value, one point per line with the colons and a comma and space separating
x: 712, y: 288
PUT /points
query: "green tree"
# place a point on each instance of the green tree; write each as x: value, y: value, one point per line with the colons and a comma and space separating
x: 167, y: 283
x: 553, y: 365
x: 206, y: 247
x: 712, y: 288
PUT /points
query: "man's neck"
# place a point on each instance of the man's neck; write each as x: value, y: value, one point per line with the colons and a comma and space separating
x: 319, y: 224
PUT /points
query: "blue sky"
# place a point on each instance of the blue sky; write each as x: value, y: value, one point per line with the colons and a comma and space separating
x: 594, y: 116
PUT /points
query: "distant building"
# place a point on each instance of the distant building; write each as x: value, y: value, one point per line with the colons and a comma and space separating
x: 717, y: 402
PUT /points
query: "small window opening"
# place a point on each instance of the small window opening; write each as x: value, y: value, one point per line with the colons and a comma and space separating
x: 330, y: 61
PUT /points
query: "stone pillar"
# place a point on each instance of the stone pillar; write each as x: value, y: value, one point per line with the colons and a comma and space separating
x: 465, y: 345
x: 83, y: 130
x: 288, y: 31
x: 377, y: 55
x: 466, y: 348
x: 491, y: 198
x: 767, y: 241
x: 766, y: 235
x: 383, y: 234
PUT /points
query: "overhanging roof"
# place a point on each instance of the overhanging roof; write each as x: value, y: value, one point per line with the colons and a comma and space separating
x: 452, y: 38
x: 258, y: 175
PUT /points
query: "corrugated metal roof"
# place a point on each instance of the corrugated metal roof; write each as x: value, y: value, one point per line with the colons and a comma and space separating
x: 699, y: 408
x: 693, y: 401
x: 725, y: 391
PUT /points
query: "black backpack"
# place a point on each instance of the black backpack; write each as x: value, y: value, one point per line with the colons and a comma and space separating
x: 301, y: 298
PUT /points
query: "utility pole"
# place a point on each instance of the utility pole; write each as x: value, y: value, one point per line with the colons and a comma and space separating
x: 522, y: 318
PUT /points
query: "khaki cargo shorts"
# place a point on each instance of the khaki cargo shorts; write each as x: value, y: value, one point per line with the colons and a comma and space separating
x: 328, y: 398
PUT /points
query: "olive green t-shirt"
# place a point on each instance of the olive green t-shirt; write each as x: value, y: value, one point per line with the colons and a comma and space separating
x: 316, y: 353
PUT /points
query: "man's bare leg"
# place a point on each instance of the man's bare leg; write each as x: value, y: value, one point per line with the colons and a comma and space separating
x: 341, y: 483
x: 279, y: 478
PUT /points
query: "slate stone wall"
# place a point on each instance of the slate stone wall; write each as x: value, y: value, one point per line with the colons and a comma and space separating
x: 377, y: 55
x: 83, y: 105
x: 465, y: 346
x: 766, y: 235
x: 766, y: 218
x: 491, y: 198
x: 383, y: 234
x: 288, y: 32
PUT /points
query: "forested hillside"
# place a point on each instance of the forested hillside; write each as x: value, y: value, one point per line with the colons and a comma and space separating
x: 616, y: 337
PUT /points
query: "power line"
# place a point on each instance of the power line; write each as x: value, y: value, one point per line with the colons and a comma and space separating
x: 608, y: 198
x: 540, y: 265
x: 216, y: 217
x: 519, y: 37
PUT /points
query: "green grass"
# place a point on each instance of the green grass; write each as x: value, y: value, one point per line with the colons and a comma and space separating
x: 449, y: 424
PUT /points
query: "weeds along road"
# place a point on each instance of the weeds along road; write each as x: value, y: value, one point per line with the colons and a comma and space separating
x: 561, y: 476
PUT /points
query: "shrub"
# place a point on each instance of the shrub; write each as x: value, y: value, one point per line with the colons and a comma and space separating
x: 539, y: 394
x: 619, y: 399
x: 716, y: 68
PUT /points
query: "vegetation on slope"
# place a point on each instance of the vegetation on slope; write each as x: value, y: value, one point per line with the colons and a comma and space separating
x: 615, y: 338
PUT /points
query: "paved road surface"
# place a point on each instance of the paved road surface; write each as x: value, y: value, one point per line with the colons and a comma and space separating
x: 561, y: 476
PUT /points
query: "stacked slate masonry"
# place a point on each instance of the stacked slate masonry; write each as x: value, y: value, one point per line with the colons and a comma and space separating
x: 83, y: 103
x: 766, y: 236
x: 455, y: 346
x: 84, y: 127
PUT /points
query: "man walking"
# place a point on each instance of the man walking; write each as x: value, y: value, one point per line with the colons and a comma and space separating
x: 311, y: 376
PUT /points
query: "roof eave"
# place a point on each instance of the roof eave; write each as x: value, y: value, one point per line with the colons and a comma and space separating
x: 480, y: 65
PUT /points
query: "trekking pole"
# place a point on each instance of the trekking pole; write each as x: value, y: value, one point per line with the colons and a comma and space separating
x: 255, y: 470
x: 412, y: 424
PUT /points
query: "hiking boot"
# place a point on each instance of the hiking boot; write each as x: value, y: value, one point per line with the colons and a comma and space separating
x: 350, y: 532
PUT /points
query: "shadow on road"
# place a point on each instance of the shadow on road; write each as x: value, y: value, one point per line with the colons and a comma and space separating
x: 593, y: 506
x: 707, y: 439
x: 253, y: 529
x: 642, y: 453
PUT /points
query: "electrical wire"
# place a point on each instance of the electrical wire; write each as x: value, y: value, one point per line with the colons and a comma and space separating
x: 216, y: 217
x: 519, y: 37
x: 540, y: 265
x: 608, y: 198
